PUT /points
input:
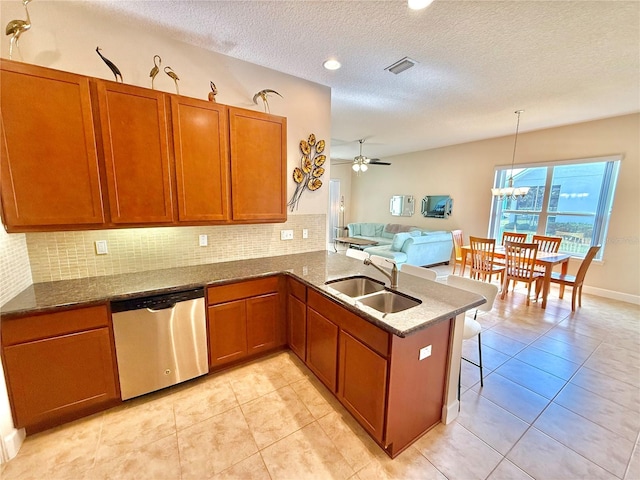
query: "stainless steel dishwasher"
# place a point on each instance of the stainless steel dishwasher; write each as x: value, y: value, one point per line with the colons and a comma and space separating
x: 160, y: 340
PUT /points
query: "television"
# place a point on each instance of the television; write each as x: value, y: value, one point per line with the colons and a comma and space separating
x: 437, y: 206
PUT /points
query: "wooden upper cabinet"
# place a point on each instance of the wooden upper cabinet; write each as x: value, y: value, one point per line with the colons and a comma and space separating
x: 49, y: 166
x: 202, y: 159
x: 258, y: 143
x: 136, y: 153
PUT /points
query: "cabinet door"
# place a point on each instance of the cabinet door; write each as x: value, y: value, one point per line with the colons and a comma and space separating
x: 49, y: 165
x: 134, y: 132
x: 60, y: 378
x: 200, y: 138
x: 227, y: 332
x: 322, y: 348
x: 297, y: 326
x: 258, y: 144
x: 362, y: 383
x: 263, y: 316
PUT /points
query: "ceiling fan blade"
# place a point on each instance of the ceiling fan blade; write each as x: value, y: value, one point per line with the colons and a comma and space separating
x: 376, y: 161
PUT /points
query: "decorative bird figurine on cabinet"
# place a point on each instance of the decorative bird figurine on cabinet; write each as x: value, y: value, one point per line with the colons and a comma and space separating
x: 213, y: 92
x: 110, y: 64
x: 15, y: 28
x: 169, y: 71
x: 263, y: 95
x: 156, y: 68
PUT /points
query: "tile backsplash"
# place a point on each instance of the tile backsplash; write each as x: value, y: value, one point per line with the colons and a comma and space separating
x: 15, y: 275
x: 67, y: 255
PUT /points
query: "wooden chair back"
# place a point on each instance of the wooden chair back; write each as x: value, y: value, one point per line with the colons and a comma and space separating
x: 520, y: 260
x: 584, y: 266
x: 458, y: 240
x: 513, y: 237
x: 482, y: 256
x: 547, y: 244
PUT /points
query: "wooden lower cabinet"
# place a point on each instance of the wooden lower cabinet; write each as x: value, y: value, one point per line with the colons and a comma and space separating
x: 362, y: 384
x: 227, y: 332
x: 262, y: 322
x: 297, y: 318
x: 59, y: 378
x: 322, y: 348
x: 245, y: 318
x: 377, y: 376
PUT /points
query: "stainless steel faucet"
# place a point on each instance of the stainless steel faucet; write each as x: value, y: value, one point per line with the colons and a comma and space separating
x: 393, y: 276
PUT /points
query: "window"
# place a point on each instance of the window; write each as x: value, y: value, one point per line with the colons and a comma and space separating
x: 571, y: 200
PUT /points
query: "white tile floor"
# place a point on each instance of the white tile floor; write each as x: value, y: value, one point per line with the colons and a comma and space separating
x: 561, y: 400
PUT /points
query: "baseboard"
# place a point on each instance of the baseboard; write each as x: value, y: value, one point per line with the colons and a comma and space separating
x: 601, y: 292
x: 450, y: 412
x: 11, y: 444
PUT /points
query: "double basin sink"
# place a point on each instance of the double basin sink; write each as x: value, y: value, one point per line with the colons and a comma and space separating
x: 373, y: 293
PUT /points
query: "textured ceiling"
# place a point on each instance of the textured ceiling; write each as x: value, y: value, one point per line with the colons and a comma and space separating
x: 561, y: 61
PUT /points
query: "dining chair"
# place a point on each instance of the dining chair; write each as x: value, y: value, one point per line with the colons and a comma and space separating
x: 513, y: 237
x: 575, y: 281
x: 520, y: 267
x: 471, y: 325
x: 419, y: 271
x: 482, y: 259
x: 357, y: 254
x: 546, y: 244
x: 458, y: 241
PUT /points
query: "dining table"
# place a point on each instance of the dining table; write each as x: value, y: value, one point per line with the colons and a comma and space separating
x: 548, y: 260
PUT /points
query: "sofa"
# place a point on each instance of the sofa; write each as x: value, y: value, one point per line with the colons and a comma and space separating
x: 382, y: 233
x: 405, y: 244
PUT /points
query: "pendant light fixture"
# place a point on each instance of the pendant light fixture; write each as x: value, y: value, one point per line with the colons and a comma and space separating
x: 510, y: 190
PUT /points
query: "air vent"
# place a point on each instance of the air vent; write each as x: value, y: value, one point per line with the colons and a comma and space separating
x: 401, y: 65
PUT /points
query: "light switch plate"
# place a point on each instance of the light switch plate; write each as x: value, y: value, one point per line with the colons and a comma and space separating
x: 101, y: 247
x: 425, y: 352
x: 305, y: 233
x: 286, y: 234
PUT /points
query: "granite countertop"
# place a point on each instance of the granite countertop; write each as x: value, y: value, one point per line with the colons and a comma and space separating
x: 439, y: 302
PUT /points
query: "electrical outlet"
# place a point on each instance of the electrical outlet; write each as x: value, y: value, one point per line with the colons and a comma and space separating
x: 101, y: 247
x: 305, y: 233
x: 286, y: 234
x: 203, y: 240
x: 425, y: 352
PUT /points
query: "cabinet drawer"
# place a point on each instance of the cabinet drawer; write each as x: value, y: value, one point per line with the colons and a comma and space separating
x: 297, y: 289
x: 237, y: 291
x: 366, y: 332
x: 26, y: 329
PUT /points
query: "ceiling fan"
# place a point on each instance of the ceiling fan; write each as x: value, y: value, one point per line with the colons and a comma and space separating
x: 361, y: 163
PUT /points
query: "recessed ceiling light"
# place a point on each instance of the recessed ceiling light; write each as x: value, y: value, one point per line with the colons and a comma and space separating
x: 419, y: 4
x: 331, y: 64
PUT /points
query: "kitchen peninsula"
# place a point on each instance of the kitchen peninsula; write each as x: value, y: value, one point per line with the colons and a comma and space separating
x: 396, y: 373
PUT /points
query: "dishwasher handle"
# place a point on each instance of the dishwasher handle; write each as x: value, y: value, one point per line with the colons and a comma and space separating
x: 159, y: 308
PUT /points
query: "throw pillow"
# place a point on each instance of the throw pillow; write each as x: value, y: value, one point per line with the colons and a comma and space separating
x: 398, y: 241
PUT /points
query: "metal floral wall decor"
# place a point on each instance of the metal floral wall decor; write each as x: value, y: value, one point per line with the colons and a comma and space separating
x: 307, y: 176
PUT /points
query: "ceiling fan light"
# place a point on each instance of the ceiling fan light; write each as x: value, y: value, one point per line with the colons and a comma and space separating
x: 364, y: 167
x: 356, y: 167
x: 419, y: 4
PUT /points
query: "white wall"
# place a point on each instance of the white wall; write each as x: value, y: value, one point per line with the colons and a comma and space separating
x: 466, y: 173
